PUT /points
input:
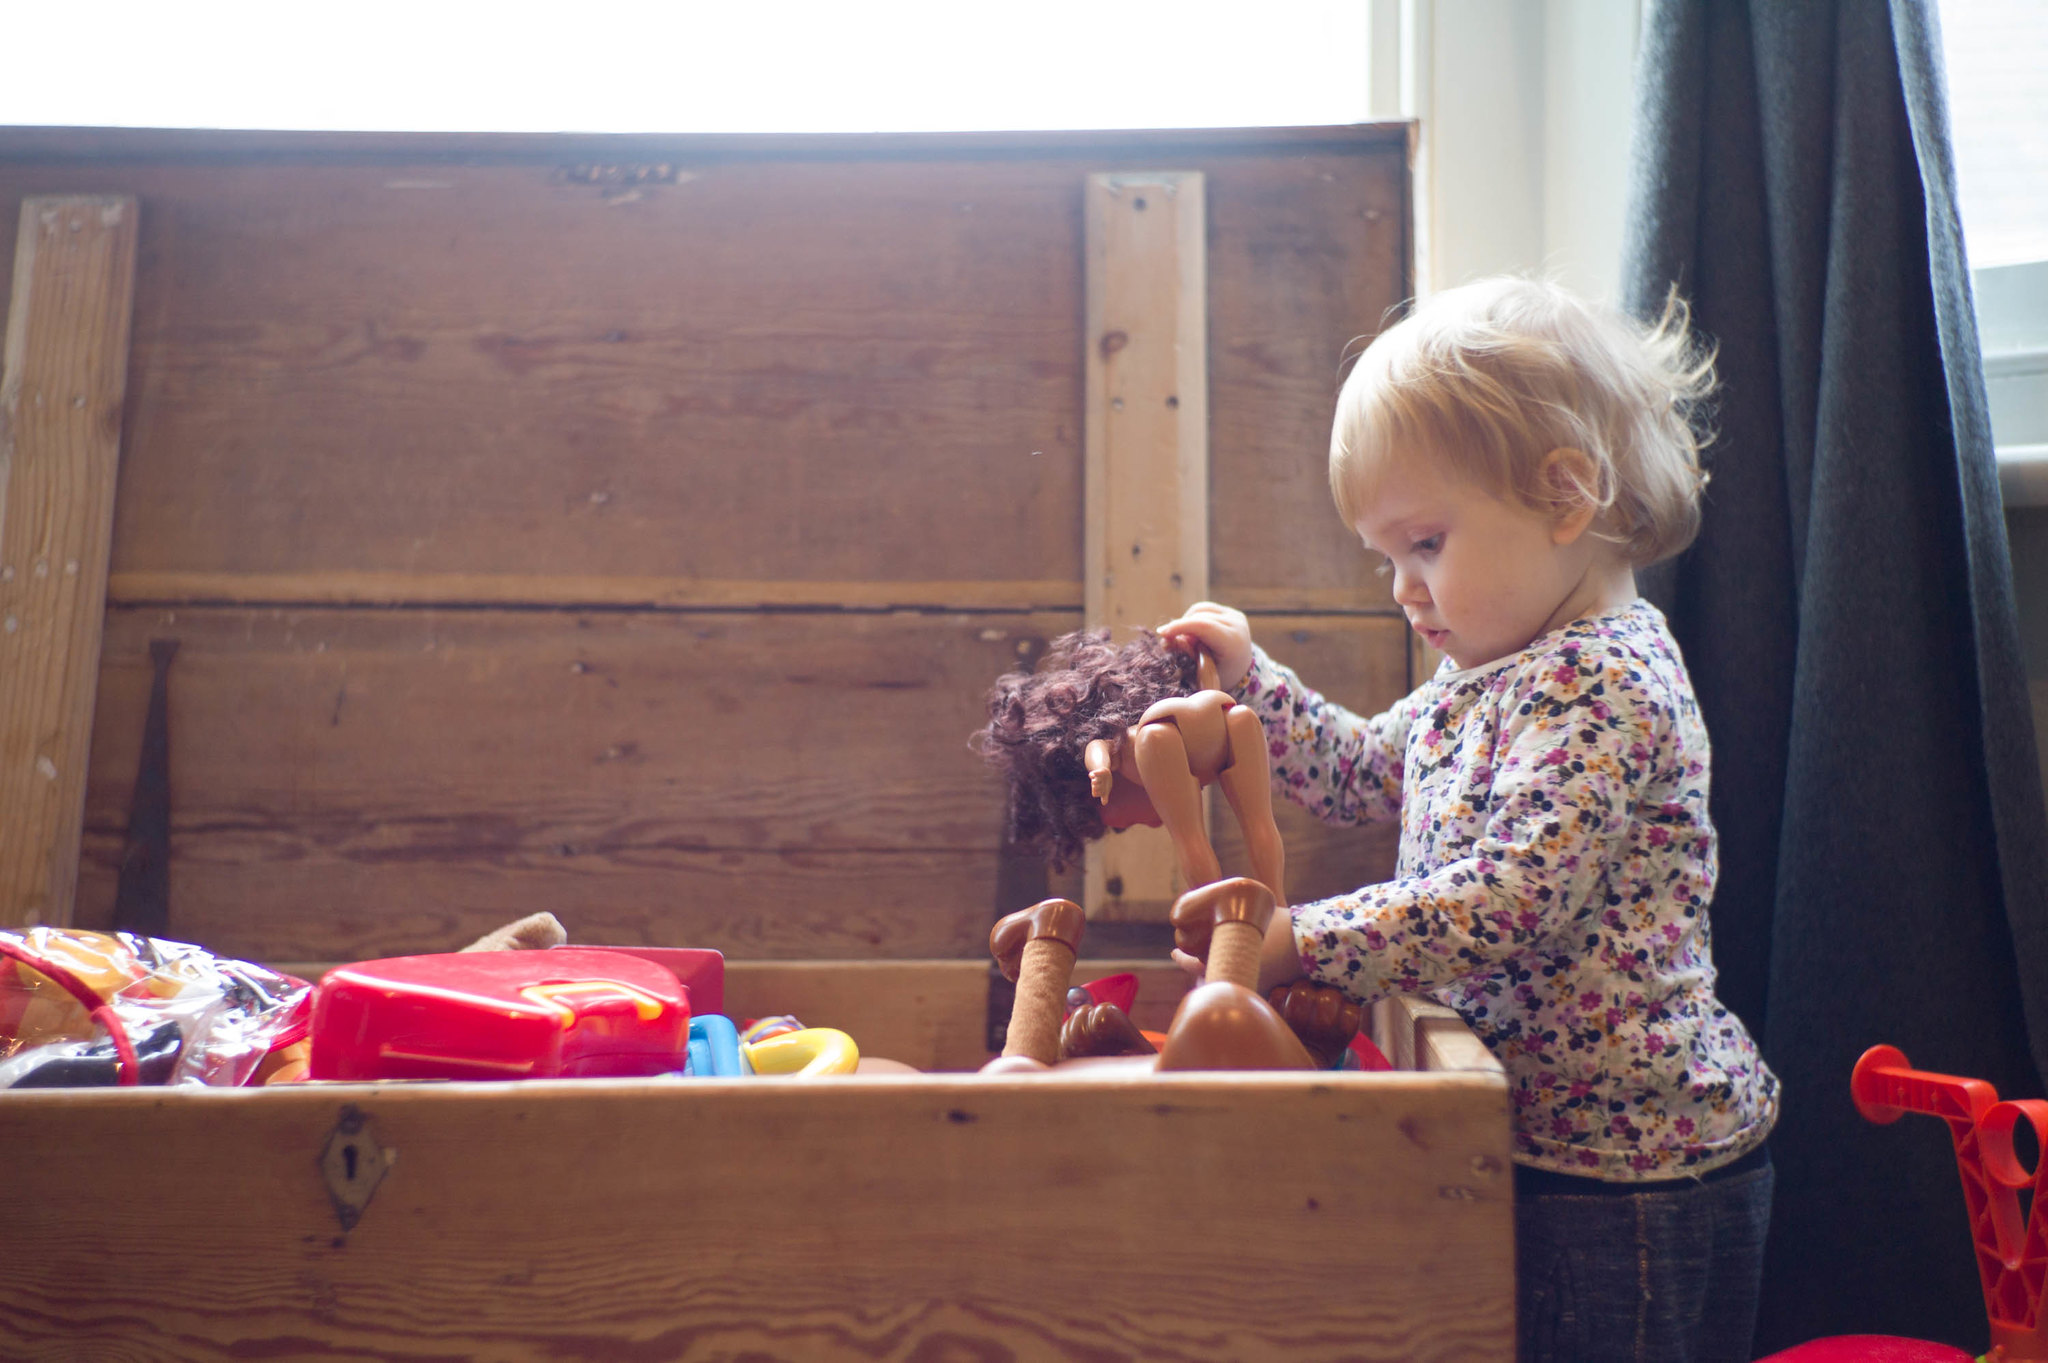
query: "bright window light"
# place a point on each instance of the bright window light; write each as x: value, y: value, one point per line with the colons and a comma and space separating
x: 1997, y: 52
x: 725, y: 66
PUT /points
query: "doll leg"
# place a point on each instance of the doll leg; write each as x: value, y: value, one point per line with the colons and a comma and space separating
x: 1248, y: 785
x: 1177, y: 795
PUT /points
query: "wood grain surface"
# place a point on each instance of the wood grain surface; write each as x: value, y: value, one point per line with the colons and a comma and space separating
x: 765, y: 434
x: 359, y: 783
x: 1145, y: 531
x: 921, y: 1218
x: 1416, y: 1034
x: 365, y: 783
x: 62, y: 381
x: 746, y: 371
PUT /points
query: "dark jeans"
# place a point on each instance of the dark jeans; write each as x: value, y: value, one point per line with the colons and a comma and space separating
x: 1665, y: 1276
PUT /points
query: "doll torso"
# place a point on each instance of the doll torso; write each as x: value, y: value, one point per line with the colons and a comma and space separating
x: 1199, y: 718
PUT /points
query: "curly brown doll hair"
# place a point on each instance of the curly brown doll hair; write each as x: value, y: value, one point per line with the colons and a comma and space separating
x: 1041, y: 722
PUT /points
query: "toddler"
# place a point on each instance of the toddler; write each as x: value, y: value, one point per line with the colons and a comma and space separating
x: 1514, y: 454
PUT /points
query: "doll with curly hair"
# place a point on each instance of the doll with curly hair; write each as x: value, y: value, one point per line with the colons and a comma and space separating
x: 1102, y: 737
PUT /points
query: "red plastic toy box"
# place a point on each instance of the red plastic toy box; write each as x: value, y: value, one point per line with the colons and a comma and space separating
x: 499, y: 1015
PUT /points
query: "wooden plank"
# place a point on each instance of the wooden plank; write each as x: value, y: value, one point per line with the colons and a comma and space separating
x: 1383, y: 1024
x: 557, y: 592
x: 746, y: 374
x: 358, y: 783
x: 1417, y: 1034
x: 793, y: 371
x: 620, y: 152
x: 1309, y: 600
x: 65, y: 375
x: 1146, y: 349
x: 928, y: 1014
x: 1307, y: 259
x: 1446, y: 1043
x: 1146, y: 535
x: 1368, y: 1217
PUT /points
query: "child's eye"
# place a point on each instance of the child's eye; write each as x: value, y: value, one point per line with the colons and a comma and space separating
x: 1428, y: 546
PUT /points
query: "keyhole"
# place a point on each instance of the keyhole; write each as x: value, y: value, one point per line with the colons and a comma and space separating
x: 348, y: 1158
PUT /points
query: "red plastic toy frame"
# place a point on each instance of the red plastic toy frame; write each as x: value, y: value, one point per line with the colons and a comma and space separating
x: 2012, y: 1253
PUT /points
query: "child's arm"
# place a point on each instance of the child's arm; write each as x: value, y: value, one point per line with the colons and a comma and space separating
x: 1342, y: 767
x: 1549, y: 867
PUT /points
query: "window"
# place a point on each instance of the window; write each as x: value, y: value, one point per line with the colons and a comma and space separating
x: 1998, y: 106
x: 648, y: 66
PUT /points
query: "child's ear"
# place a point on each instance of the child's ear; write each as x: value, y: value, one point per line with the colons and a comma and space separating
x: 1571, y: 483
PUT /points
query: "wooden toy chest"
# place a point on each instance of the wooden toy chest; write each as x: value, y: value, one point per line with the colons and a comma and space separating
x: 934, y: 1217
x: 630, y: 528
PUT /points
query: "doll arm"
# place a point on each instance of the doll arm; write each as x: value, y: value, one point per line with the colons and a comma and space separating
x: 1100, y: 759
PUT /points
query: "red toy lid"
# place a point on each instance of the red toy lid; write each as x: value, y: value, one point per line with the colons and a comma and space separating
x: 499, y: 975
x: 701, y: 970
x: 498, y: 1014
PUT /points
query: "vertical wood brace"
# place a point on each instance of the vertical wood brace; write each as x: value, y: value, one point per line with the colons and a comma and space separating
x: 1147, y: 512
x: 63, y: 375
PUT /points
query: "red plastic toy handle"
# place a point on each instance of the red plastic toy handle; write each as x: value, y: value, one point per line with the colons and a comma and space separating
x: 2012, y: 1251
x: 1886, y: 1088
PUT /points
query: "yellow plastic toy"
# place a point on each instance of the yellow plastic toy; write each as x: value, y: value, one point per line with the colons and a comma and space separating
x: 808, y: 1053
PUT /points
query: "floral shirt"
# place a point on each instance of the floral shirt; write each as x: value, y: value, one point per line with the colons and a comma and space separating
x: 1555, y: 870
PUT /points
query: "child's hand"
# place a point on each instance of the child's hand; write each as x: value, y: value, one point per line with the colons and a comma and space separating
x: 1220, y: 629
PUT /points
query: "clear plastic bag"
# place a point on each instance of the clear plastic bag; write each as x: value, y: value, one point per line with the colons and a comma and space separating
x: 94, y: 1008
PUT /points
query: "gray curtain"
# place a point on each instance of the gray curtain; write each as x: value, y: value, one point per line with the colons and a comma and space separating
x: 1847, y: 615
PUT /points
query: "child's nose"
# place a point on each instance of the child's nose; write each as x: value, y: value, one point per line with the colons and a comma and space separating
x: 1409, y: 589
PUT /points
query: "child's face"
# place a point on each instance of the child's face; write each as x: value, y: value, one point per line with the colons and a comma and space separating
x: 1477, y: 575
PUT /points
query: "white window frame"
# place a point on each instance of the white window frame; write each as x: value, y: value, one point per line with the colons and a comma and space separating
x: 1523, y: 110
x: 2012, y: 324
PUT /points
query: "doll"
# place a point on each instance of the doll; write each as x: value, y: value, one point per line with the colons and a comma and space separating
x: 1100, y: 738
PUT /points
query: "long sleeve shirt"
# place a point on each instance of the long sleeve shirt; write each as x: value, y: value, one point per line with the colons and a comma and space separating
x: 1556, y: 866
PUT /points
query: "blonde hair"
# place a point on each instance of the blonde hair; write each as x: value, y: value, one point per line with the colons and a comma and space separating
x: 1488, y: 378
